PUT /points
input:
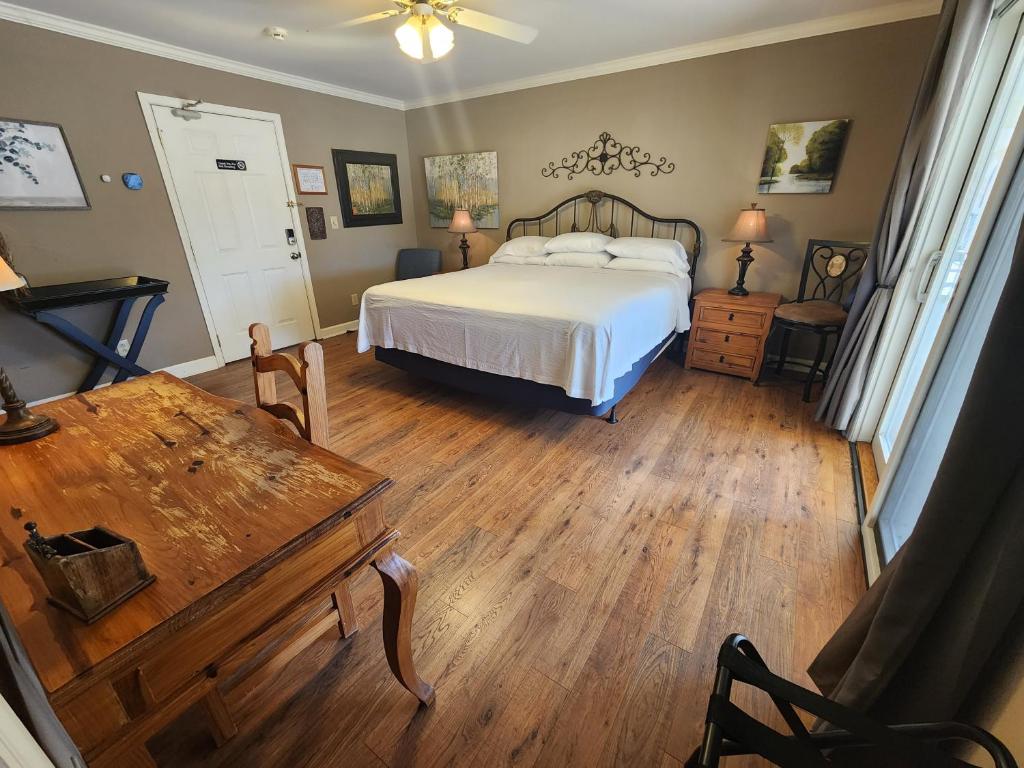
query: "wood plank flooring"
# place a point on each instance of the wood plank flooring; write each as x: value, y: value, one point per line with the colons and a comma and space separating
x: 576, y: 577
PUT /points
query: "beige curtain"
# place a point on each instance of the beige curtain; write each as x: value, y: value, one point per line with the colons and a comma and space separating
x: 962, y: 27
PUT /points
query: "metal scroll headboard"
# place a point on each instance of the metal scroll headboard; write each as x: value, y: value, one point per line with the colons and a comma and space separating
x: 597, y: 211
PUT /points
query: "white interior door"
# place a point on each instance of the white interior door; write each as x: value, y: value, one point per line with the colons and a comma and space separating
x: 228, y: 178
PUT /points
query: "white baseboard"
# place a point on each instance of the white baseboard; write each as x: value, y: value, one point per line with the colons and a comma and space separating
x: 192, y: 367
x: 340, y: 328
x: 181, y: 370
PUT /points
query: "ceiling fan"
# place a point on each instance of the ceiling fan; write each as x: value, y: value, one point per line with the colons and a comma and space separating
x: 425, y: 38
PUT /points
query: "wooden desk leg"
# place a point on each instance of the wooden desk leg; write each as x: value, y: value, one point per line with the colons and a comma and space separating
x: 137, y: 757
x: 342, y: 599
x: 400, y: 586
x: 222, y: 725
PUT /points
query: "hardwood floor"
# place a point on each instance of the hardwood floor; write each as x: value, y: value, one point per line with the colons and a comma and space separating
x: 576, y: 577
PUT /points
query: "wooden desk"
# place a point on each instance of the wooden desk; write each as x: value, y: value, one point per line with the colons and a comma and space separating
x: 247, y: 528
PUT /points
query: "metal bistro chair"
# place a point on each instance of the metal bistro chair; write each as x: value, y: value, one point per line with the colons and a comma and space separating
x: 417, y: 262
x: 830, y: 267
x: 852, y: 738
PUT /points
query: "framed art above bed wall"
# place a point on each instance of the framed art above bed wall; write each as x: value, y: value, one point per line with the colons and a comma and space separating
x: 468, y: 181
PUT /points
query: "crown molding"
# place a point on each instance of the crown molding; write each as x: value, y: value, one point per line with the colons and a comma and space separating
x: 96, y: 33
x: 903, y: 11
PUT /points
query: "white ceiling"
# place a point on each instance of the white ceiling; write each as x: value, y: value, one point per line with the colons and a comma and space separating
x: 573, y: 34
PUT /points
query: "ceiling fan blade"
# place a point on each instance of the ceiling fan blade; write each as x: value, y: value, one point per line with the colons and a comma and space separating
x: 379, y: 16
x: 484, y: 22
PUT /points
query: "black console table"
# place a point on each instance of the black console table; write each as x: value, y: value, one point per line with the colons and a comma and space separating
x: 40, y: 302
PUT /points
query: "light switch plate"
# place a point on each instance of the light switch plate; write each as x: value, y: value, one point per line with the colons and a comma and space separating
x: 334, y: 222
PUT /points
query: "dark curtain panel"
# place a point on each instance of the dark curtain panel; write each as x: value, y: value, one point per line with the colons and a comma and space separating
x: 921, y: 636
x: 954, y: 55
x: 22, y: 690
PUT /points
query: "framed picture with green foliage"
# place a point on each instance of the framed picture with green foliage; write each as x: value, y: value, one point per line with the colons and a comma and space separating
x: 367, y: 187
x: 803, y: 158
x: 468, y: 181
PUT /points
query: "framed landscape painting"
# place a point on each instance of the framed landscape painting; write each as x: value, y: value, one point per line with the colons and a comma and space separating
x: 37, y: 170
x: 802, y: 157
x: 463, y: 181
x: 367, y: 187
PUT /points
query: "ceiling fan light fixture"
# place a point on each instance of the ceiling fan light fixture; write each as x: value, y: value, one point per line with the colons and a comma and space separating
x: 424, y: 37
x: 441, y: 39
x: 410, y: 37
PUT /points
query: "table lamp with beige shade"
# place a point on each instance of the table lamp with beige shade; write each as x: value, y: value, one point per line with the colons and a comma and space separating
x: 21, y: 424
x: 751, y: 227
x: 462, y: 223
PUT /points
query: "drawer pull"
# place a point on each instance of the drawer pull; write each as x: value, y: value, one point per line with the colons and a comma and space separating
x: 727, y: 338
x: 731, y: 317
x: 721, y: 358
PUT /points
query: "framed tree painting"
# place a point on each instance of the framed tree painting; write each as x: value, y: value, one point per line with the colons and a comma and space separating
x: 463, y: 181
x: 37, y: 169
x: 802, y: 157
x: 367, y: 187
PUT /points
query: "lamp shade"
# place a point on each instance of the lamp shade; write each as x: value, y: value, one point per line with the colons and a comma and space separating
x: 462, y: 222
x: 9, y: 279
x: 751, y: 227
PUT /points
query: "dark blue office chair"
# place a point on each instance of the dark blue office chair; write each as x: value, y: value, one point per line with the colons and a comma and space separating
x: 417, y: 262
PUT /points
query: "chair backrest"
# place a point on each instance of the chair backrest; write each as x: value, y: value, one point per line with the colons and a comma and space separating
x: 830, y: 267
x: 307, y: 373
x: 417, y: 262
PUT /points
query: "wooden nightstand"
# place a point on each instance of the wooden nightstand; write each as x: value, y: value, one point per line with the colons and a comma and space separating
x: 729, y: 332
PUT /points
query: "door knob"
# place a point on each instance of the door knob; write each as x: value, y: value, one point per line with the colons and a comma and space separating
x: 296, y: 255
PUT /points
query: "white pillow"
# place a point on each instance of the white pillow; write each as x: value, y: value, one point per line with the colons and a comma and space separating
x: 645, y: 265
x: 650, y: 248
x: 578, y: 242
x: 513, y: 259
x: 574, y: 259
x: 530, y: 245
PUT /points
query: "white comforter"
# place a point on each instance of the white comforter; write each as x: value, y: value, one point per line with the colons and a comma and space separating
x: 577, y: 328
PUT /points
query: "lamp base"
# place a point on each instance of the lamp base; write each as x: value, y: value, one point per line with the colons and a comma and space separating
x: 464, y: 247
x: 23, y: 426
x: 745, y: 260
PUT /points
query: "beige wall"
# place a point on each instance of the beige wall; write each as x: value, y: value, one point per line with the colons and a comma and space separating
x: 91, y: 90
x: 711, y: 116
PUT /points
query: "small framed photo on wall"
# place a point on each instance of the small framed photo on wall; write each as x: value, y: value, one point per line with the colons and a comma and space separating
x: 37, y: 169
x: 368, y: 187
x: 309, y: 179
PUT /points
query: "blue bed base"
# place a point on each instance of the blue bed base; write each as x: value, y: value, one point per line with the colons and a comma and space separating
x: 523, y: 391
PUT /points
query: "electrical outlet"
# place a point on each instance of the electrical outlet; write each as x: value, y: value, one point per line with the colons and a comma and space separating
x: 355, y: 299
x: 123, y: 346
x: 334, y: 222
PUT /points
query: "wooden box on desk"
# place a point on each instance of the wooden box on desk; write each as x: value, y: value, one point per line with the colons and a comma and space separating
x: 728, y: 333
x: 88, y: 573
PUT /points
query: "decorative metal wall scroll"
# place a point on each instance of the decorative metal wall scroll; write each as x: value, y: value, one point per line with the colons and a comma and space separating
x: 605, y: 156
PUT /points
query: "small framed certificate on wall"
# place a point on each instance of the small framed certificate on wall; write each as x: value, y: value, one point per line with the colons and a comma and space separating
x: 309, y: 179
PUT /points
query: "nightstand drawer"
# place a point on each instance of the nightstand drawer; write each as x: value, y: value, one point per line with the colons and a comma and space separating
x: 722, y: 361
x: 734, y: 317
x: 739, y: 343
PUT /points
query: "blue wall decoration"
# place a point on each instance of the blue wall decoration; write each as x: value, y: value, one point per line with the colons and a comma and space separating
x: 132, y: 180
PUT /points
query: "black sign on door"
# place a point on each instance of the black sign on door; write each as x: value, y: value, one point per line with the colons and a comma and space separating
x: 231, y: 165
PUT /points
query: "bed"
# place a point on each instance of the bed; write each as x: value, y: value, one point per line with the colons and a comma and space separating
x: 572, y: 338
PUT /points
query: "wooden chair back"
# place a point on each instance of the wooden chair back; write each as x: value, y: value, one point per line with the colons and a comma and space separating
x: 306, y: 372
